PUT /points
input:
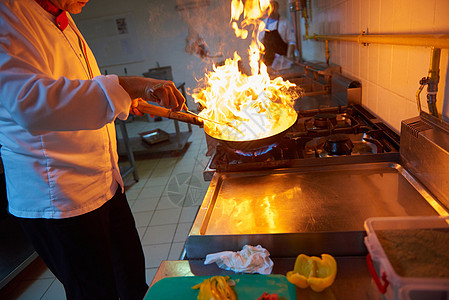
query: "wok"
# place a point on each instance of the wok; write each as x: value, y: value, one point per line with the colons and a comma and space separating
x: 244, y: 146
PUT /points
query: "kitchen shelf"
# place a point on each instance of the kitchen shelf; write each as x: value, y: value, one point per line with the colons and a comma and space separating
x: 174, y: 145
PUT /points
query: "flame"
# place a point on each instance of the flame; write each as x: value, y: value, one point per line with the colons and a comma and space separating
x: 248, y: 107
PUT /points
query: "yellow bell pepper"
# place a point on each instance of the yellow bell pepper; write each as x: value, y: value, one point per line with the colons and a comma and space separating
x: 318, y: 273
x: 215, y: 288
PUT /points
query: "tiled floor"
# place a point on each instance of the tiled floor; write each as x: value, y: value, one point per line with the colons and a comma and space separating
x: 164, y: 203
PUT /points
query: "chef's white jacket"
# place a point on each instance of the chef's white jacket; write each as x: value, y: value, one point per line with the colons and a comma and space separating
x: 57, y: 127
x: 285, y: 30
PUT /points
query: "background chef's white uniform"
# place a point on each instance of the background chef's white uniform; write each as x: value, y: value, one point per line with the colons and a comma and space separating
x: 285, y: 29
x: 278, y: 38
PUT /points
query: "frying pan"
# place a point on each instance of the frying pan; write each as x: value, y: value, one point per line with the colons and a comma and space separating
x: 244, y: 146
x: 255, y: 144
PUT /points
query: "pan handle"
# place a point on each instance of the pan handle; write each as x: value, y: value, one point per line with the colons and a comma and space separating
x: 167, y: 113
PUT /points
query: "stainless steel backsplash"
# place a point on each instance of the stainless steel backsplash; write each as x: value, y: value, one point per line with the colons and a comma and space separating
x: 424, y: 150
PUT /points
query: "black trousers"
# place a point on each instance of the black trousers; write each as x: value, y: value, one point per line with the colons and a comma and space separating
x: 97, y: 255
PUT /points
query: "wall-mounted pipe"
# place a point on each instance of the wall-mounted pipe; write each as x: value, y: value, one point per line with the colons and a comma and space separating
x: 425, y: 40
x: 436, y: 41
x: 328, y: 53
x: 297, y: 9
x: 418, y: 93
x: 432, y: 81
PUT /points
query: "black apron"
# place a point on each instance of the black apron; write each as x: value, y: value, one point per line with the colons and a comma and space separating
x: 273, y: 44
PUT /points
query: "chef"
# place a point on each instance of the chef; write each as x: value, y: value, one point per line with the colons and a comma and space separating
x: 59, y: 149
x: 278, y: 36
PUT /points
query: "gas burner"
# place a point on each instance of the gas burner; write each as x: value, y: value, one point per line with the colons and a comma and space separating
x: 258, y: 155
x: 325, y: 120
x: 224, y: 155
x: 338, y: 144
x: 345, y: 145
x: 325, y: 124
x: 286, y: 149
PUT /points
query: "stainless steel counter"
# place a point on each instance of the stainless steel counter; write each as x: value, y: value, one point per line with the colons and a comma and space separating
x: 310, y: 209
x: 353, y: 280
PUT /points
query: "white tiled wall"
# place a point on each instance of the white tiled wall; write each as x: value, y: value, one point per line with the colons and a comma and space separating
x: 389, y: 74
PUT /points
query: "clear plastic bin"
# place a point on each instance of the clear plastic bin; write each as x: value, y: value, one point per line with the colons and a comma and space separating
x: 388, y: 281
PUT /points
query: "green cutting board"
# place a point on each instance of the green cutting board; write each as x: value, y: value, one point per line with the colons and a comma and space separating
x: 247, y: 287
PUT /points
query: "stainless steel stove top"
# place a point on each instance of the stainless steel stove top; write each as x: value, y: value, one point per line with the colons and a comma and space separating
x: 319, y: 204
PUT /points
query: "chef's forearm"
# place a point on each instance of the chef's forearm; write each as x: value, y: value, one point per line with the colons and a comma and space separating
x: 133, y: 85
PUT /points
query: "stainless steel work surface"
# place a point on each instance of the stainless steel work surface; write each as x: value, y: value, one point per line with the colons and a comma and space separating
x: 318, y: 199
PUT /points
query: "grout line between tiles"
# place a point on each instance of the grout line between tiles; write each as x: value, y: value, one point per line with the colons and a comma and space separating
x: 48, y: 288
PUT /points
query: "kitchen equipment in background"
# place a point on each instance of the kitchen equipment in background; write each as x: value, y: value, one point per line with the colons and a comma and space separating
x: 186, y: 4
x: 297, y: 9
x: 323, y: 86
x: 345, y: 90
x: 164, y: 73
x: 424, y: 150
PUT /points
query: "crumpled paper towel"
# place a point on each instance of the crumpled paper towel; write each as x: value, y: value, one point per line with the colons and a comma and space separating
x: 281, y: 62
x: 249, y: 260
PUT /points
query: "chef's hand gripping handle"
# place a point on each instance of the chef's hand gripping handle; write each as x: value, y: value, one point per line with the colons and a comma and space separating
x: 381, y: 286
x: 167, y: 113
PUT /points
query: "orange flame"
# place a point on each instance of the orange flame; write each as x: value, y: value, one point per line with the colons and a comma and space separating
x: 254, y: 106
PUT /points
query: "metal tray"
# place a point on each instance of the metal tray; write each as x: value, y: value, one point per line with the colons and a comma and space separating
x: 154, y: 136
x: 311, y: 210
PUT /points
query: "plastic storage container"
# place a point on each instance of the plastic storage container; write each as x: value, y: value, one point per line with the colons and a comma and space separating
x: 388, y: 281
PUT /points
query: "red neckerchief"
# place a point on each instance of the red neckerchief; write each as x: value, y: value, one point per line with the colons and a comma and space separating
x: 62, y: 21
x: 61, y: 17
